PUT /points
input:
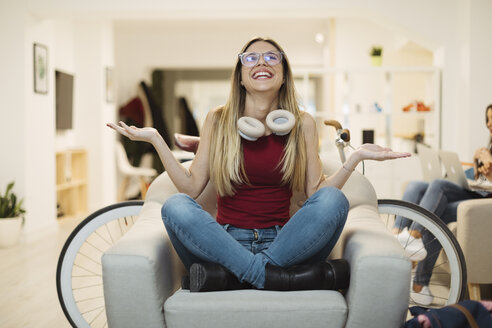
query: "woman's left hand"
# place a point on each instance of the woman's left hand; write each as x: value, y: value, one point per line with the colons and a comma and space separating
x: 378, y: 153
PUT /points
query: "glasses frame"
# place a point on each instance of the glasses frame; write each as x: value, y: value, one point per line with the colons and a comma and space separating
x: 260, y: 55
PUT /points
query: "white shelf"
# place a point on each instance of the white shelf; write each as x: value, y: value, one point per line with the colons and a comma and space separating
x: 349, y: 95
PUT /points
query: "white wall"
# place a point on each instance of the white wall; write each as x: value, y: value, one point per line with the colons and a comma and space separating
x: 40, y: 128
x: 94, y: 52
x: 28, y: 138
x: 106, y: 185
x: 13, y: 84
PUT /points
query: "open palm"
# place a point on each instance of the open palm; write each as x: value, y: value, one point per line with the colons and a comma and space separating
x: 379, y: 153
x: 134, y: 133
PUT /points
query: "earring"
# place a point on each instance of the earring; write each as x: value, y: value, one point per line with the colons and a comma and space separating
x: 279, y: 121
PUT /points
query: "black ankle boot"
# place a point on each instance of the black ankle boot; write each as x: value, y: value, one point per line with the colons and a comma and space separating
x: 331, y: 275
x: 208, y: 277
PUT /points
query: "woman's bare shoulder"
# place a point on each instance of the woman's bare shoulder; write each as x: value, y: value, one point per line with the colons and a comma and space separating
x: 213, y: 115
x: 307, y: 121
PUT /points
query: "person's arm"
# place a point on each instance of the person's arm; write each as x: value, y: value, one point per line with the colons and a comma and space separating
x: 190, y: 181
x: 477, y: 162
x: 314, y: 177
x: 484, y: 157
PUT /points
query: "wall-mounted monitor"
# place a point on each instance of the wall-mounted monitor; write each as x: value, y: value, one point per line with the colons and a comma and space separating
x: 64, y: 100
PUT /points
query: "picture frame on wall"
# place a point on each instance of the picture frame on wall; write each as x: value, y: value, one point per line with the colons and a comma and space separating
x: 109, y: 84
x: 40, y: 57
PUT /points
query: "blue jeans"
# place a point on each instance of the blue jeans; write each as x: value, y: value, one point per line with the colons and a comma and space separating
x: 442, y: 198
x: 308, y: 236
x: 254, y: 240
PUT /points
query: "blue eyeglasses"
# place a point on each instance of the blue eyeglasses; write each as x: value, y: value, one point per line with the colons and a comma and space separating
x: 250, y: 59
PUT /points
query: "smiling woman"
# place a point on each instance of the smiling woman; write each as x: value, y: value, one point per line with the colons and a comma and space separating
x: 254, y: 179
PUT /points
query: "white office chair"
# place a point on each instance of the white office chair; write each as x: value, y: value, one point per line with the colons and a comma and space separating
x: 144, y: 174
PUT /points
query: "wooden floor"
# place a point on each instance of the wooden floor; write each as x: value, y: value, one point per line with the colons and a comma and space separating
x: 27, y: 280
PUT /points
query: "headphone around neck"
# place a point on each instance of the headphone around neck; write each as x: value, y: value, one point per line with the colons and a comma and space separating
x: 279, y: 121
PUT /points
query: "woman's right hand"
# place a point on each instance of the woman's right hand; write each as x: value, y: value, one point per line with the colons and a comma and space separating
x: 147, y: 134
x: 486, y: 160
x: 482, y: 163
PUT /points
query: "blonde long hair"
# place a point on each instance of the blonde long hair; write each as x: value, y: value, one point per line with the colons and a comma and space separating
x: 226, y: 156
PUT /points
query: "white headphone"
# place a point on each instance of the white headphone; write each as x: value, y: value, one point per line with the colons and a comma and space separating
x: 279, y: 121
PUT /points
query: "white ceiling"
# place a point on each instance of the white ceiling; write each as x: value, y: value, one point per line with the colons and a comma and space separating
x: 227, y: 11
x: 193, y: 9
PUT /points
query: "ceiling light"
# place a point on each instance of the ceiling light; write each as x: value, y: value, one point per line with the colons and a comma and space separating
x: 319, y: 38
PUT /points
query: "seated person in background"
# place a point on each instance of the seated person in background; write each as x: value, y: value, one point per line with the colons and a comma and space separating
x: 442, y: 198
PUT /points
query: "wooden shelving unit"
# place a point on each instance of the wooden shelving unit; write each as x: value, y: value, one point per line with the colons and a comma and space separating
x: 71, y: 182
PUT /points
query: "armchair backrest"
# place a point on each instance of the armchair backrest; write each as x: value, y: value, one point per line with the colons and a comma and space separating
x: 358, y: 190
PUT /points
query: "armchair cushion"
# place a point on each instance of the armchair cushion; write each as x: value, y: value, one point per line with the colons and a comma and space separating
x: 253, y: 308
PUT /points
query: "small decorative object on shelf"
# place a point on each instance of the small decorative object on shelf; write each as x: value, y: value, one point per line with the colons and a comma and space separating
x: 11, y: 217
x: 378, y: 108
x: 418, y: 106
x: 376, y: 56
x: 59, y: 211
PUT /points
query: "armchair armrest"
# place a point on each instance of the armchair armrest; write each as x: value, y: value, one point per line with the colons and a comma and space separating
x: 138, y: 273
x: 380, y: 273
x: 142, y: 269
x: 473, y: 234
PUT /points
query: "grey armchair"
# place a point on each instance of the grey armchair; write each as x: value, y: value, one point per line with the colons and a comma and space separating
x: 474, y: 231
x: 142, y: 275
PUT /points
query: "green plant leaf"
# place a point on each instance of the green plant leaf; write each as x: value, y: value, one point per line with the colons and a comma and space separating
x: 376, y: 51
x: 3, y: 207
x: 9, y: 187
x: 10, y: 206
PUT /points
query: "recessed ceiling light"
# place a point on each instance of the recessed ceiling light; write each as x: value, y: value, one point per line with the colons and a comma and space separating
x: 319, y: 38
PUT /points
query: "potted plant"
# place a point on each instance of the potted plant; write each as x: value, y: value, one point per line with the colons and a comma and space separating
x: 376, y: 56
x: 11, y: 217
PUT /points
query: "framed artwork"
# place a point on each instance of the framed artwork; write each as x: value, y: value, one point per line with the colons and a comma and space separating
x: 40, y: 57
x: 109, y: 85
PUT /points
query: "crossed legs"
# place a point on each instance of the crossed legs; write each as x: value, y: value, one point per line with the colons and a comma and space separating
x: 309, y: 235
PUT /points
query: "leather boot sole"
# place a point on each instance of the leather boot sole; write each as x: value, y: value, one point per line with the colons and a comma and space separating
x: 208, y: 277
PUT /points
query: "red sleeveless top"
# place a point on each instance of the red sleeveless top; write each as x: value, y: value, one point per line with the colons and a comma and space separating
x: 264, y: 203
